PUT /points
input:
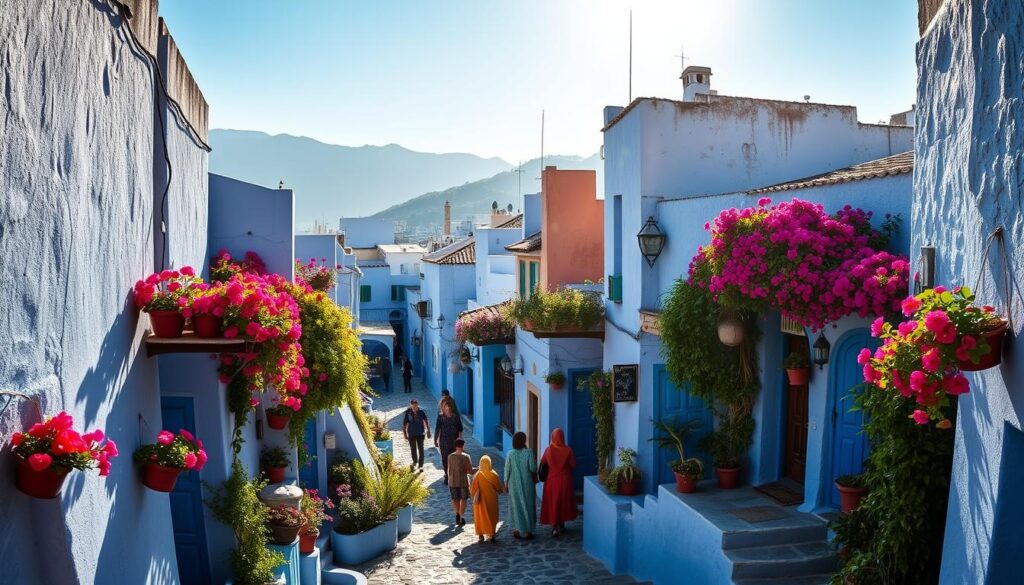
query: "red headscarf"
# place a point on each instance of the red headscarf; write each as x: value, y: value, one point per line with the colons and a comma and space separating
x: 558, y: 454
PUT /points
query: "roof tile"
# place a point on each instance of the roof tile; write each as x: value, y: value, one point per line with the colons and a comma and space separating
x: 461, y: 252
x: 530, y: 244
x: 897, y: 164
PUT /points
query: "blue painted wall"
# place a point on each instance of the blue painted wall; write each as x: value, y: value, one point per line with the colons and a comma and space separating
x: 969, y: 86
x: 247, y: 217
x: 324, y: 246
x: 448, y: 287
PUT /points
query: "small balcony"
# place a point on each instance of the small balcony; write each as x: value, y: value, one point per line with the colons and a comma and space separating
x: 565, y: 313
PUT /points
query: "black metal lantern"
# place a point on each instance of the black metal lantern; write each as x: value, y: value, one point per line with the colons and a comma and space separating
x: 506, y: 366
x: 821, y: 350
x: 652, y: 241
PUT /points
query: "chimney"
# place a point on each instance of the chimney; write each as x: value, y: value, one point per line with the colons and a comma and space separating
x: 447, y: 218
x: 696, y: 80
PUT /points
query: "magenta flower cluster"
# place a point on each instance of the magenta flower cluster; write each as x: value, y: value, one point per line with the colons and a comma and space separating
x: 483, y: 327
x: 813, y: 267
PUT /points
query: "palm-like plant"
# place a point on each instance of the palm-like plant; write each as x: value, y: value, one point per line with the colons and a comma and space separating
x: 673, y: 435
x: 390, y: 486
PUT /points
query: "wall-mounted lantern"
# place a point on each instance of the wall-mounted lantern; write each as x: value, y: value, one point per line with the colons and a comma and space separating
x: 821, y: 350
x: 416, y: 339
x: 730, y: 330
x: 506, y: 366
x: 652, y: 241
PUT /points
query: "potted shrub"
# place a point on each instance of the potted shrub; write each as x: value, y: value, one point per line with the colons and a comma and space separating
x: 688, y: 471
x: 397, y: 489
x: 924, y: 357
x: 284, y: 523
x: 207, y: 310
x: 361, y: 533
x: 163, y: 461
x: 726, y: 449
x: 626, y: 474
x: 798, y: 368
x: 556, y: 380
x: 485, y: 326
x: 851, y: 490
x: 278, y: 416
x: 163, y: 295
x: 381, y: 435
x: 275, y: 461
x: 49, y: 450
x: 314, y: 509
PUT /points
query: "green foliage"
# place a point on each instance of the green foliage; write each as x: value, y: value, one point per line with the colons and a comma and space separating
x: 673, y: 435
x: 274, y: 457
x: 378, y: 428
x: 555, y: 378
x: 725, y: 378
x: 796, y: 361
x: 599, y: 384
x: 895, y: 536
x: 564, y: 309
x: 851, y: 481
x: 357, y: 515
x: 333, y: 354
x: 236, y: 504
x: 343, y: 473
x: 625, y: 471
x: 390, y: 486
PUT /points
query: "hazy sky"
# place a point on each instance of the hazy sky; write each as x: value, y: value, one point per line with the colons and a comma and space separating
x: 447, y: 76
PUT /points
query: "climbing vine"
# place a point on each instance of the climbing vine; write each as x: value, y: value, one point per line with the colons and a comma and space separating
x: 599, y: 384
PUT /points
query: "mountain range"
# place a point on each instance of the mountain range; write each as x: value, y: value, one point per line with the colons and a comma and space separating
x: 331, y: 181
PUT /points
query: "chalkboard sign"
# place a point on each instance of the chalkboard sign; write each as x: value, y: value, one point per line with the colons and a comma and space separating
x: 625, y: 383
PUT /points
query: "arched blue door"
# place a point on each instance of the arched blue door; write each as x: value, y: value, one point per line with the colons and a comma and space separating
x: 187, y: 501
x: 581, y: 431
x: 678, y: 405
x: 849, y: 444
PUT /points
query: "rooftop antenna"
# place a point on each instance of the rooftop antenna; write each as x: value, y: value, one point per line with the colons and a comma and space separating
x: 682, y: 57
x: 280, y: 184
x: 807, y: 98
x: 519, y: 173
x: 541, y: 177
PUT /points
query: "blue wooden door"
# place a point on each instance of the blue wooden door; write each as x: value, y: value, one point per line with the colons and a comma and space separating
x: 187, y: 501
x: 849, y: 444
x: 309, y: 474
x: 677, y: 405
x: 582, y: 433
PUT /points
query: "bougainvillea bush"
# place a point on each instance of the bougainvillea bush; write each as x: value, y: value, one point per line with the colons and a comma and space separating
x: 921, y: 356
x: 318, y: 276
x: 168, y: 290
x: 482, y: 327
x: 183, y: 451
x: 223, y: 266
x: 55, y: 444
x: 811, y: 266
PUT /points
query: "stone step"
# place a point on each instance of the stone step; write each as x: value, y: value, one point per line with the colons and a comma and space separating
x: 789, y: 560
x: 801, y: 531
x: 822, y: 579
x: 332, y: 574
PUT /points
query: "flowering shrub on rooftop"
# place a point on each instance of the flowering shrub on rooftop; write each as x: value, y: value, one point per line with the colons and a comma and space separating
x: 55, y: 444
x: 223, y: 266
x: 792, y: 256
x: 318, y: 276
x: 922, y: 356
x: 483, y: 327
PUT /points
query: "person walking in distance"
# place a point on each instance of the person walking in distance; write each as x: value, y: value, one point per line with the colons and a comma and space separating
x: 558, y: 504
x: 520, y: 474
x: 484, y: 488
x: 414, y: 424
x: 447, y: 429
x: 458, y: 466
x: 407, y: 375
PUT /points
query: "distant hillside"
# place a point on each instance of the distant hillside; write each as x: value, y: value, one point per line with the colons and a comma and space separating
x: 472, y: 198
x: 332, y: 181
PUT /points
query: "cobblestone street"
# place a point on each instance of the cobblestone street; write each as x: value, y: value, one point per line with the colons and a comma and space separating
x: 438, y: 552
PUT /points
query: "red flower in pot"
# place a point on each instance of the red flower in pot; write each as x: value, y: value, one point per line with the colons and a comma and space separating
x: 48, y: 451
x: 163, y: 295
x: 163, y: 461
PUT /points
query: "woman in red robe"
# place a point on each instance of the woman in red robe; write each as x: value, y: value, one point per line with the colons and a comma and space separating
x: 558, y: 505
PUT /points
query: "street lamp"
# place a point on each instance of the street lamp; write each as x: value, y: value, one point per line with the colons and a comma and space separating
x: 652, y: 241
x: 821, y: 350
x: 506, y: 366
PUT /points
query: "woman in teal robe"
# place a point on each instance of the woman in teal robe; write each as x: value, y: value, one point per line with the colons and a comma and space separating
x: 520, y: 467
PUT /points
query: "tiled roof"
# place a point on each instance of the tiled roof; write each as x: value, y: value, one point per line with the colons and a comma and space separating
x: 373, y: 265
x: 530, y: 244
x: 515, y: 222
x: 493, y: 310
x: 897, y: 164
x: 461, y: 252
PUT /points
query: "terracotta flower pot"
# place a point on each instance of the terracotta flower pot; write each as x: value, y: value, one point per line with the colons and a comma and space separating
x: 557, y: 386
x: 160, y: 478
x: 798, y: 377
x: 728, y: 477
x: 284, y: 534
x: 629, y: 488
x: 685, y: 484
x: 207, y: 325
x: 275, y: 474
x: 277, y: 421
x: 167, y: 323
x: 44, y: 484
x: 995, y: 353
x: 307, y: 540
x: 849, y: 497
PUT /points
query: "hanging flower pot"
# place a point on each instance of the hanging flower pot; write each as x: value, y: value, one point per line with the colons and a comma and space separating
x: 44, y: 484
x: 730, y: 330
x: 798, y: 377
x: 277, y: 418
x: 307, y: 540
x: 994, y: 356
x: 556, y: 380
x: 167, y: 323
x: 207, y: 326
x: 160, y: 478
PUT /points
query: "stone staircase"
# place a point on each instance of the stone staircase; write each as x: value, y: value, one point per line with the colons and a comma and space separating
x: 780, y: 555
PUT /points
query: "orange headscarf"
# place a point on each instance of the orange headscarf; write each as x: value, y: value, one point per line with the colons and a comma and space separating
x: 558, y: 454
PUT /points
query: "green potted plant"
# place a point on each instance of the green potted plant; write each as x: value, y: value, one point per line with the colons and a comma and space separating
x: 172, y: 454
x: 381, y: 435
x: 314, y: 509
x: 284, y: 523
x: 626, y: 475
x: 275, y: 461
x: 396, y: 489
x: 798, y: 368
x: 277, y: 416
x: 726, y: 449
x: 556, y: 380
x: 673, y: 435
x: 851, y: 491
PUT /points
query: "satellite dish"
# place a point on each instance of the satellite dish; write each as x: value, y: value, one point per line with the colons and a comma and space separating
x: 509, y: 208
x: 494, y: 205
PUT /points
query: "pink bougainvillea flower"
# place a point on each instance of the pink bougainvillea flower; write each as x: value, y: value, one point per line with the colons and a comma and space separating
x: 39, y: 461
x: 931, y: 360
x: 910, y: 305
x: 188, y: 436
x: 165, y: 438
x: 110, y: 448
x: 61, y: 421
x: 956, y: 385
x: 936, y: 321
x: 876, y: 327
x: 190, y: 460
x: 93, y: 437
x: 864, y: 356
x: 920, y: 417
x: 200, y: 460
x: 231, y: 332
x: 188, y: 271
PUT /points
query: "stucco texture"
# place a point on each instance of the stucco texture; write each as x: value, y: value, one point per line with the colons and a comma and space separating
x: 968, y: 181
x: 76, y: 218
